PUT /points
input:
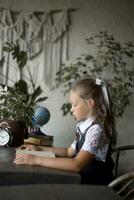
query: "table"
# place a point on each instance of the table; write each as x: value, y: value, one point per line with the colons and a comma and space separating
x: 11, y: 174
x: 58, y: 192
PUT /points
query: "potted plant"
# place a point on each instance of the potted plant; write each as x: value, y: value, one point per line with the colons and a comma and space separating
x: 17, y: 104
x: 109, y: 60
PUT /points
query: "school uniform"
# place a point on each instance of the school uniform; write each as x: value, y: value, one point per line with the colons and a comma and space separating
x: 91, y: 138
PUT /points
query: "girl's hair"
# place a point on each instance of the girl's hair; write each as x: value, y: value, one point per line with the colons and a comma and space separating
x: 86, y: 89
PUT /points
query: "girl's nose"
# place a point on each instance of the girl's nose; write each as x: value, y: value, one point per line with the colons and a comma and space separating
x: 71, y: 109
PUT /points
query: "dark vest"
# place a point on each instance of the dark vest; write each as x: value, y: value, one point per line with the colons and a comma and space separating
x: 96, y: 172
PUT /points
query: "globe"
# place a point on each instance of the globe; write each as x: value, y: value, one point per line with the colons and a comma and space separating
x: 41, y: 116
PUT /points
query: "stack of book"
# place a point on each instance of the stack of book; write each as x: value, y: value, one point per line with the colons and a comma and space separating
x: 45, y: 140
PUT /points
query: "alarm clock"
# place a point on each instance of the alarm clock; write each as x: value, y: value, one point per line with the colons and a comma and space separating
x: 6, y: 136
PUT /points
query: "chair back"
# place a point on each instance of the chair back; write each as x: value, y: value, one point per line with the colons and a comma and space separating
x: 124, y: 185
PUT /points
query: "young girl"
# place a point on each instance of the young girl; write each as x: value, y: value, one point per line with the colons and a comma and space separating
x: 89, y: 154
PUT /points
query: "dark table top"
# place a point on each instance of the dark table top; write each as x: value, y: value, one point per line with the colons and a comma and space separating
x: 11, y: 174
x: 58, y: 192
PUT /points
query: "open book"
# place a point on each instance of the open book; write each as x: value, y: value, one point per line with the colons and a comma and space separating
x: 36, y: 153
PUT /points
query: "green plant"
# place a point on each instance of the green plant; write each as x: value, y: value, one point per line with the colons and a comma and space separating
x: 109, y: 60
x: 17, y: 103
x: 17, y: 54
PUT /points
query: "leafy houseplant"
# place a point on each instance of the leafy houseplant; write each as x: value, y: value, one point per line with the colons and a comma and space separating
x: 17, y: 103
x: 109, y: 60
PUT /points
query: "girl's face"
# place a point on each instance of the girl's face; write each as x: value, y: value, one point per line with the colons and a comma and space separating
x: 81, y: 109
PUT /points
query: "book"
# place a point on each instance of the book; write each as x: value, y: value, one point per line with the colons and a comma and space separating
x: 36, y: 153
x: 40, y: 140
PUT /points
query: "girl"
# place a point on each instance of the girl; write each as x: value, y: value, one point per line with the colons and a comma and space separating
x: 89, y: 154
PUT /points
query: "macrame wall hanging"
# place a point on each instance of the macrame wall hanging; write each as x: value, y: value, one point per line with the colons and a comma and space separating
x: 37, y: 32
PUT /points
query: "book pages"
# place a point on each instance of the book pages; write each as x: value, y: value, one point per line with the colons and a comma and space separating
x: 36, y: 153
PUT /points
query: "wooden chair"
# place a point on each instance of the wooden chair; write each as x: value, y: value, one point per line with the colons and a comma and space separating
x: 124, y: 186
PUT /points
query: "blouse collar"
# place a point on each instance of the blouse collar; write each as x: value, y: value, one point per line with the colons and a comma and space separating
x: 83, y: 125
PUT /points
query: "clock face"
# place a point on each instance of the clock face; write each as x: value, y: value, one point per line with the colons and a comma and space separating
x: 4, y: 137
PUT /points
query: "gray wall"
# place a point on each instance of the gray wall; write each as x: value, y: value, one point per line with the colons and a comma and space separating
x: 91, y: 16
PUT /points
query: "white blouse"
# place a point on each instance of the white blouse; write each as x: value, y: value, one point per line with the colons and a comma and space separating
x: 94, y: 139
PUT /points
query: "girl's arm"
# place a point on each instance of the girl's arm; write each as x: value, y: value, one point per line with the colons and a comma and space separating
x: 59, y: 151
x: 70, y: 164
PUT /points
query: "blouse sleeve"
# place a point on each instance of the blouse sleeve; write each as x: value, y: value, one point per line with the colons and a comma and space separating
x: 73, y: 145
x: 94, y: 142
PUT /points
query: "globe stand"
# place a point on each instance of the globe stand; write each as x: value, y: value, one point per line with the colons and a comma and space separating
x: 37, y: 132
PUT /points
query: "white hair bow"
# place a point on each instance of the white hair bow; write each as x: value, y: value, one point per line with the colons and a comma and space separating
x: 104, y: 91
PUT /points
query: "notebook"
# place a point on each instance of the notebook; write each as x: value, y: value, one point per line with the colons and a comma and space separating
x: 36, y: 153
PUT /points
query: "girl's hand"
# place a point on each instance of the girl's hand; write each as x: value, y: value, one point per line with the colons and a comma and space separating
x: 24, y: 159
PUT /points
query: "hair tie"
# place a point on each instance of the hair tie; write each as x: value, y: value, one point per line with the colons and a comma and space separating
x: 104, y: 91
